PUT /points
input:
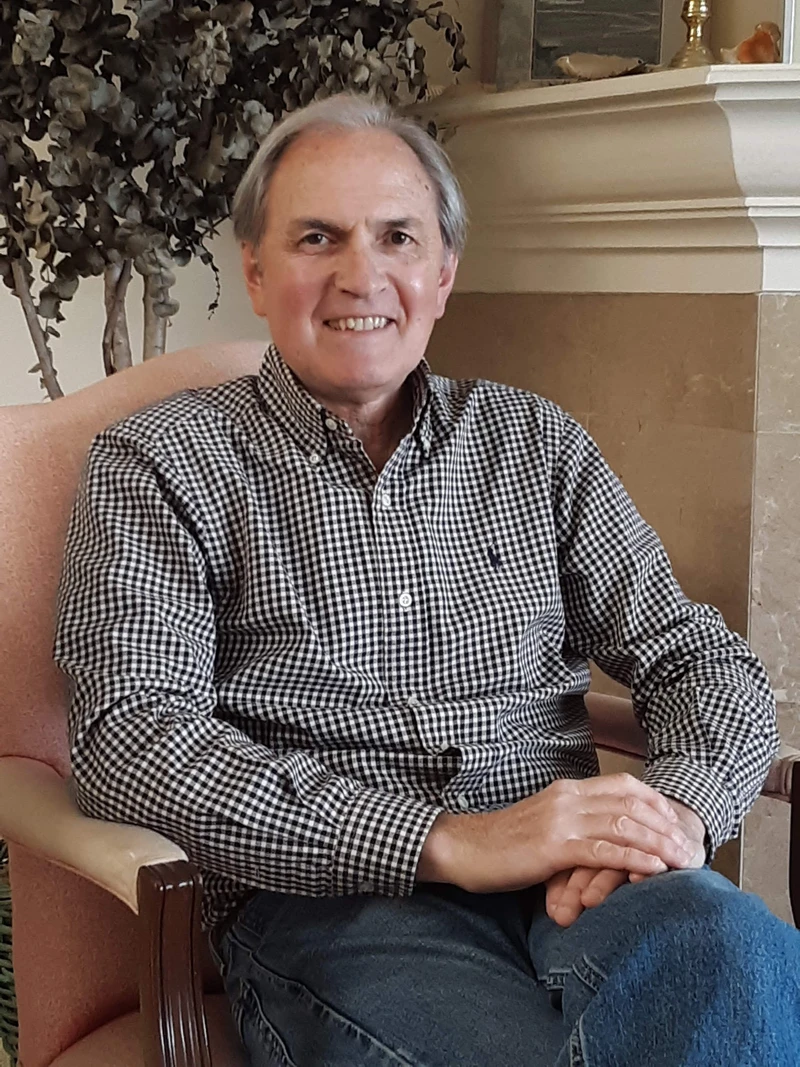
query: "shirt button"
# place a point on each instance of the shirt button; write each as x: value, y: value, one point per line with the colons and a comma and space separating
x: 413, y: 702
x: 366, y: 887
x: 405, y: 599
x: 462, y: 802
x: 386, y: 500
x: 314, y: 459
x: 331, y: 424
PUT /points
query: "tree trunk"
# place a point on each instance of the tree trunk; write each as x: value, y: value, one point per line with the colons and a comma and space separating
x: 48, y: 371
x: 155, y: 328
x: 119, y: 355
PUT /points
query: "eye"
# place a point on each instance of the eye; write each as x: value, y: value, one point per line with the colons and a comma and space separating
x: 314, y: 240
x: 400, y: 238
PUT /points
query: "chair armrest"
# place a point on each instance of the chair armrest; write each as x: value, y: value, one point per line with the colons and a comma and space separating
x: 38, y: 811
x: 614, y: 726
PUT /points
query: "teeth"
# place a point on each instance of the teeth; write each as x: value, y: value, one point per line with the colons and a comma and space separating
x: 370, y: 322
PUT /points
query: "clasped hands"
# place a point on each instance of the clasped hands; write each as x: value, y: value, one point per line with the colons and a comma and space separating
x: 581, y: 838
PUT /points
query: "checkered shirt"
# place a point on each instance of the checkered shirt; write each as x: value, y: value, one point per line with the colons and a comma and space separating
x: 290, y: 664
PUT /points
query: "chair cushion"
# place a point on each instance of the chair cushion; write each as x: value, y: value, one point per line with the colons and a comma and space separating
x: 118, y: 1042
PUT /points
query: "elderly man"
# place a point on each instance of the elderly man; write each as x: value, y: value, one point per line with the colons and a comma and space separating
x: 328, y: 628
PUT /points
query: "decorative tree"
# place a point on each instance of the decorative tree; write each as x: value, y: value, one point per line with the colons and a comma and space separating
x: 126, y: 126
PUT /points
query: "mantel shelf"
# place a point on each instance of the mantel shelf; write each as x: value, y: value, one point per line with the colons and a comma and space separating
x: 679, y: 181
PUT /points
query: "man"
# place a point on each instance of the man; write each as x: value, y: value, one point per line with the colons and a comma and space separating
x: 328, y: 629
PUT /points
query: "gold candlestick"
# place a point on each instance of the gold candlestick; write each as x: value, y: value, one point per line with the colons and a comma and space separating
x: 695, y: 53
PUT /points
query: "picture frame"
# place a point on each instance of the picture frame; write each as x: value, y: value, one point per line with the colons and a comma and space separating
x: 531, y: 34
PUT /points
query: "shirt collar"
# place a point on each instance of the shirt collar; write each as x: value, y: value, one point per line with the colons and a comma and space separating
x: 311, y: 424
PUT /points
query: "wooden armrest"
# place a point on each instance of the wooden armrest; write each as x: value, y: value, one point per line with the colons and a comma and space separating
x: 38, y: 811
x: 614, y: 725
x: 779, y: 780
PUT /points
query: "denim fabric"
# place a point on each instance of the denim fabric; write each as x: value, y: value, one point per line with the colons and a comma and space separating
x: 684, y: 970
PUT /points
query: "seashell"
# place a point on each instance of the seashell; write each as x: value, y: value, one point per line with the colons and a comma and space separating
x: 764, y: 46
x: 588, y: 67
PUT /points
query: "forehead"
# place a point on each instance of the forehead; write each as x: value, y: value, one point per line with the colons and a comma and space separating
x: 346, y: 172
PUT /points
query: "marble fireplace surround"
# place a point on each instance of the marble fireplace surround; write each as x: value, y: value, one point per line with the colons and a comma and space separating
x: 647, y: 230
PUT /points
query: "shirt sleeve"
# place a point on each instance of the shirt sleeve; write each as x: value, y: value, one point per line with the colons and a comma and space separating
x: 136, y: 636
x: 701, y: 694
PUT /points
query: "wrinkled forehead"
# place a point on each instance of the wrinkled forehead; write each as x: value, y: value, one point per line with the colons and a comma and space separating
x: 347, y: 174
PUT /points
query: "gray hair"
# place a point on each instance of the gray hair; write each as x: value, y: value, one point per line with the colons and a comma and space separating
x: 348, y: 111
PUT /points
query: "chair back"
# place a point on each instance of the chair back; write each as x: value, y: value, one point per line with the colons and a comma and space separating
x: 74, y: 946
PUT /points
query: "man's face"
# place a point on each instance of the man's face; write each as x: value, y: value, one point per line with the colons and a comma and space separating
x: 352, y: 241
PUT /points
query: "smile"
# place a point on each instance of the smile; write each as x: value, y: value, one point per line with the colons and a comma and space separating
x: 371, y: 322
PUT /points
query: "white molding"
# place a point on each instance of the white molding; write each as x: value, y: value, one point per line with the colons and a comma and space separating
x: 681, y: 181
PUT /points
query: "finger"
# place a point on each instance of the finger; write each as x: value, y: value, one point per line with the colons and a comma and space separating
x: 623, y: 830
x: 639, y: 811
x: 600, y: 853
x: 624, y: 784
x: 569, y: 905
x: 601, y: 886
x: 555, y: 889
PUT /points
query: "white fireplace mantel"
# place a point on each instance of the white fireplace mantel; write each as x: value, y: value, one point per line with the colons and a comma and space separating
x: 679, y: 181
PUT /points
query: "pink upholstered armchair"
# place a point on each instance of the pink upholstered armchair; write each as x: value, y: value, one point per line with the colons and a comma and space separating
x: 110, y: 967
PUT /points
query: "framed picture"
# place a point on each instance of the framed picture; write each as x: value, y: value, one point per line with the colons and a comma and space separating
x: 532, y: 34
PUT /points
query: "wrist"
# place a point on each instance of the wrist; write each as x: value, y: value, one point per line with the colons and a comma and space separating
x: 437, y: 858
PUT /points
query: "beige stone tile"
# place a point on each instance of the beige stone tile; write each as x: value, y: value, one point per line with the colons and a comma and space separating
x: 682, y: 358
x: 766, y: 835
x: 789, y: 723
x: 775, y: 604
x: 692, y: 484
x: 779, y: 363
x: 766, y: 855
x: 676, y: 357
x: 543, y: 342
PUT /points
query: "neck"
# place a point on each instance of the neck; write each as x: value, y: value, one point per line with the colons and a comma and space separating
x: 380, y: 426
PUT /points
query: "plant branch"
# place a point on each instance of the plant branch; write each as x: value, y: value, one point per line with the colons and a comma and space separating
x: 155, y: 327
x: 112, y: 318
x: 120, y: 355
x: 23, y: 291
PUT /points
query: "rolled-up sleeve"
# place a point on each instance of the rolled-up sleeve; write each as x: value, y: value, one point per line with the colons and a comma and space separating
x: 700, y: 692
x: 136, y: 635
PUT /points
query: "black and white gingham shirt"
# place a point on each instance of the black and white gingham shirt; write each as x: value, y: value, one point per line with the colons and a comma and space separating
x: 290, y: 664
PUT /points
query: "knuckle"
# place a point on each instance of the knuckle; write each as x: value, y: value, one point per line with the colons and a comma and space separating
x: 633, y: 806
x: 599, y: 849
x: 621, y: 825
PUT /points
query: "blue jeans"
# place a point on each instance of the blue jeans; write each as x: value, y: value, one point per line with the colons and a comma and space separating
x: 683, y: 970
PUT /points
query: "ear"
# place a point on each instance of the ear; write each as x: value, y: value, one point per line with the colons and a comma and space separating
x: 253, y: 278
x: 447, y: 277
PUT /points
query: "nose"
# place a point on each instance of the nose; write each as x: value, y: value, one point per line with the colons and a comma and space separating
x: 358, y: 271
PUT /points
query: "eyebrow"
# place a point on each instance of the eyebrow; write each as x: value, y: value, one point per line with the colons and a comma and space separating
x: 330, y: 228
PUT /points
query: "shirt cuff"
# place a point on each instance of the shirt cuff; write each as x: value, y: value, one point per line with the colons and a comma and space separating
x: 699, y: 789
x: 380, y: 844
